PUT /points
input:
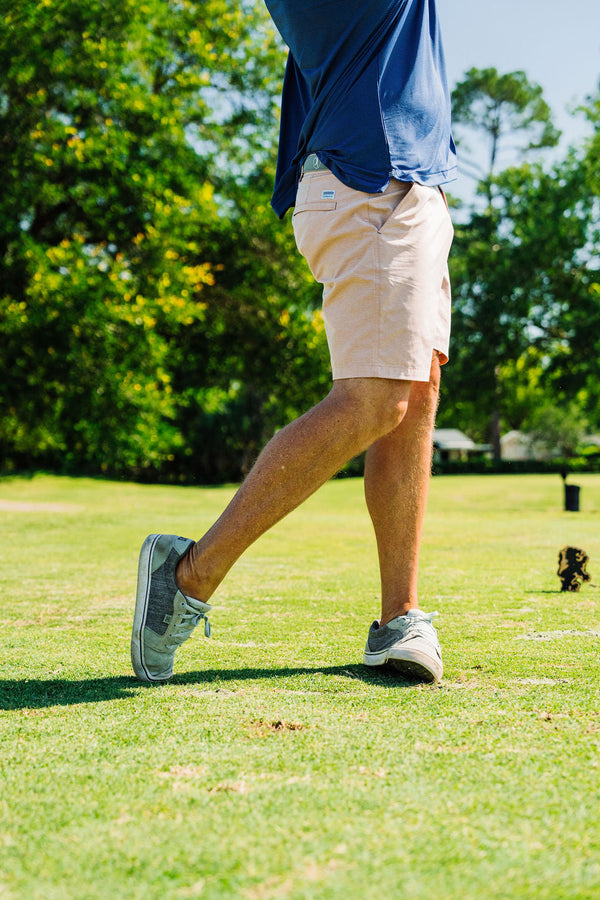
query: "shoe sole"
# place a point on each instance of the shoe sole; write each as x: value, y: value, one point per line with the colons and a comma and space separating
x: 411, y: 663
x: 141, y: 609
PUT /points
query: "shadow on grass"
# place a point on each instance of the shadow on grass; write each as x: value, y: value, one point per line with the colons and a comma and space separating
x: 38, y: 693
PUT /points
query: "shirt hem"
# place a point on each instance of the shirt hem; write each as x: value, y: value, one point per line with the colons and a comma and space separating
x: 285, y: 199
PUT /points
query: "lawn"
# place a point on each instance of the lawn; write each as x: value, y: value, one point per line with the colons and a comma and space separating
x: 275, y: 766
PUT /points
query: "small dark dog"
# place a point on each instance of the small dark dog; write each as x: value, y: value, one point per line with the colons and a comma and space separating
x: 572, y: 564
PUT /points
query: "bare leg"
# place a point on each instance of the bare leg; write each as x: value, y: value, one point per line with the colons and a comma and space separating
x: 297, y: 461
x: 397, y: 473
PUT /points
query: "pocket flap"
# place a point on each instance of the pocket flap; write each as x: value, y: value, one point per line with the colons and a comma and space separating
x: 317, y: 205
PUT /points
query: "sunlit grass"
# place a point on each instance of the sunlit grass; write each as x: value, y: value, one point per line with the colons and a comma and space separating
x: 275, y: 765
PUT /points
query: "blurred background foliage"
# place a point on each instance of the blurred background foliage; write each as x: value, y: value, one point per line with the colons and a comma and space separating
x: 156, y: 320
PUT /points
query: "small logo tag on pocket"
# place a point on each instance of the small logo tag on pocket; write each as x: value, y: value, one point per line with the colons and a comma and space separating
x: 327, y: 195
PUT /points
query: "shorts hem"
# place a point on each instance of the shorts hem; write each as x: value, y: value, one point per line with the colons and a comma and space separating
x: 394, y: 373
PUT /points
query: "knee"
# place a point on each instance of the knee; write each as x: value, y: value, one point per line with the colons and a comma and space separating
x: 390, y: 411
x: 377, y: 405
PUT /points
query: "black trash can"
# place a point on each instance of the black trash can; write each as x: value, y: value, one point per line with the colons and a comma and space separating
x: 572, y: 497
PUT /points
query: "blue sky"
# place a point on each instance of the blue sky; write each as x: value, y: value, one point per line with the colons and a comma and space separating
x: 556, y: 42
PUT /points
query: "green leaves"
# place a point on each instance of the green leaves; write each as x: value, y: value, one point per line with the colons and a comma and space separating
x: 144, y: 281
x: 527, y: 312
x: 155, y: 318
x: 503, y: 106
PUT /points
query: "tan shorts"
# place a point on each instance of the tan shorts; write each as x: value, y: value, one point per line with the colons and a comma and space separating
x: 383, y: 262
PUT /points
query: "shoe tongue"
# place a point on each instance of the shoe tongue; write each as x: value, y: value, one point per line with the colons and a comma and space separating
x: 197, y: 605
x: 400, y: 623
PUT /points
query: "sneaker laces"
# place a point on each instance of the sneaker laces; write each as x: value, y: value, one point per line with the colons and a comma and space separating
x: 185, y: 624
x: 414, y: 624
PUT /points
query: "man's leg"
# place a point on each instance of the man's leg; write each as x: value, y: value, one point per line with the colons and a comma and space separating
x: 298, y: 460
x: 176, y: 576
x: 397, y: 474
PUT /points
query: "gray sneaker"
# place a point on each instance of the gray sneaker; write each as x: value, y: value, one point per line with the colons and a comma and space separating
x: 409, y: 643
x: 164, y: 617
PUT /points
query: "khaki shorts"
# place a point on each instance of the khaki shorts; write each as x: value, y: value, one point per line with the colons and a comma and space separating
x: 383, y: 262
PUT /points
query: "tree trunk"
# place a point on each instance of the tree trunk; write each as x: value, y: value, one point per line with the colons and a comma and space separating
x: 495, y: 435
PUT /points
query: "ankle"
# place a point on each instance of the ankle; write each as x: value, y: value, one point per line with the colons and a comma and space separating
x: 395, y: 611
x: 187, y: 582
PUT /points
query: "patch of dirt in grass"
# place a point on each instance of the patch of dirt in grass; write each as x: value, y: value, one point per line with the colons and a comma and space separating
x: 372, y: 773
x: 556, y: 635
x: 194, y: 890
x: 230, y: 787
x: 185, y: 776
x: 261, y: 727
x: 281, y: 886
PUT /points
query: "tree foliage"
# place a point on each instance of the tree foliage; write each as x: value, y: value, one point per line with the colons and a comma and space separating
x: 128, y: 135
x: 155, y: 318
x: 506, y: 108
x: 527, y: 301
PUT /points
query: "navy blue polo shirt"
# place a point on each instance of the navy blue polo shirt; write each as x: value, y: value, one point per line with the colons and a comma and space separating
x: 365, y: 89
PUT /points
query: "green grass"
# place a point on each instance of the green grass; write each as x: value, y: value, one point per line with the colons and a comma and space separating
x: 275, y: 766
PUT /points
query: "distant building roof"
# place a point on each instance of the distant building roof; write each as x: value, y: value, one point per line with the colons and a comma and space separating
x: 514, y: 436
x: 452, y: 439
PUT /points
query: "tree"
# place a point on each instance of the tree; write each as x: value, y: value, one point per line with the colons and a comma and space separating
x: 527, y: 298
x: 503, y: 108
x: 261, y: 356
x: 492, y: 310
x: 556, y: 431
x: 129, y: 133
